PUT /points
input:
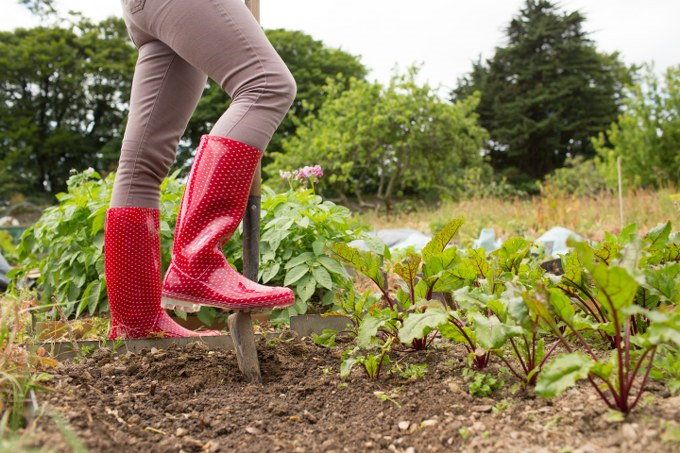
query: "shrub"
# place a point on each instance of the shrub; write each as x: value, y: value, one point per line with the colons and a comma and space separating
x: 383, y: 141
x: 579, y: 177
x: 646, y: 135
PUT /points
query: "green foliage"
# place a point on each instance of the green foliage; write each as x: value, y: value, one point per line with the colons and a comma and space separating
x: 408, y: 318
x: 310, y: 61
x: 646, y: 135
x: 620, y: 295
x: 296, y: 229
x: 62, y: 102
x: 382, y: 141
x: 371, y: 362
x: 564, y: 372
x: 413, y: 371
x: 580, y: 177
x: 7, y: 247
x: 667, y: 369
x: 65, y: 245
x: 604, y: 292
x: 39, y: 7
x: 481, y: 385
x: 545, y: 92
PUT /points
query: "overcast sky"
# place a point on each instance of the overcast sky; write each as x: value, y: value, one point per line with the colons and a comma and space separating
x: 443, y: 35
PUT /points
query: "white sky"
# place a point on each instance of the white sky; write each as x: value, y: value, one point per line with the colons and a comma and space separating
x: 443, y: 35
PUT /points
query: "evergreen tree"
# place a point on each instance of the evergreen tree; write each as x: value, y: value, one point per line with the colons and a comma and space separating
x: 545, y: 93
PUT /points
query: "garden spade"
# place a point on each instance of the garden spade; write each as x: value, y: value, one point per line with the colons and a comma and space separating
x: 240, y: 324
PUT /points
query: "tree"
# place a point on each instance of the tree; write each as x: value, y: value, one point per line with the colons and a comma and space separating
x: 311, y: 63
x: 377, y: 141
x: 646, y: 135
x: 39, y: 7
x: 62, y: 102
x: 545, y: 93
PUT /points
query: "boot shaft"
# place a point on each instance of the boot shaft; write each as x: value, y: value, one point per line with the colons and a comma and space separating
x: 214, y: 200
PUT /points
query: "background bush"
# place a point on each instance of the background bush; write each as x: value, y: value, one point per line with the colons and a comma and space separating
x: 579, y: 177
x: 384, y: 141
x: 646, y: 135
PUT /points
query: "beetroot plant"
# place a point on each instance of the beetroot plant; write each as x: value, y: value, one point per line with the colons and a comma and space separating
x: 619, y: 376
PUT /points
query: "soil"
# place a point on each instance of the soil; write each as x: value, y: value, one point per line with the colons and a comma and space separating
x: 193, y: 399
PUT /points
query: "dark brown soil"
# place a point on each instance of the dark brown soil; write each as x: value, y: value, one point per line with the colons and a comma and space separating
x: 193, y: 399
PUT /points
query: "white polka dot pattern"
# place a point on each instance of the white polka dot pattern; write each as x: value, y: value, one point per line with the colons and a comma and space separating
x: 132, y: 265
x: 212, y: 207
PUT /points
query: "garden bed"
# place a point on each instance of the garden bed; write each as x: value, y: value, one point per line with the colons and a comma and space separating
x: 193, y: 399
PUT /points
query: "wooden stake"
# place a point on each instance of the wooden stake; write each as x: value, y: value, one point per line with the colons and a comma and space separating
x: 620, y: 176
x: 240, y: 324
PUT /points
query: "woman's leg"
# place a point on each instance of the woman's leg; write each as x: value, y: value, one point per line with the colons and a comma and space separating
x: 223, y: 40
x: 165, y: 91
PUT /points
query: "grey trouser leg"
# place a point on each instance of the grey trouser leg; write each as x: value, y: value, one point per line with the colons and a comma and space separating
x: 181, y: 42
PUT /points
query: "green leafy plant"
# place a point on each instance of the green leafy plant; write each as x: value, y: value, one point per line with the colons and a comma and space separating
x: 613, y: 283
x: 7, y: 247
x: 666, y: 368
x: 412, y: 371
x: 371, y: 362
x: 481, y: 384
x: 297, y: 227
x: 410, y: 315
x: 65, y: 245
x: 407, y: 317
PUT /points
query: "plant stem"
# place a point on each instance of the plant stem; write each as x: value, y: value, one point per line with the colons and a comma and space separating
x: 519, y: 356
x: 550, y: 351
x: 644, y: 379
x: 512, y: 370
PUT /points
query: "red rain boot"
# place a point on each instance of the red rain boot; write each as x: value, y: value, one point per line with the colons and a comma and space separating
x: 132, y: 264
x: 212, y: 207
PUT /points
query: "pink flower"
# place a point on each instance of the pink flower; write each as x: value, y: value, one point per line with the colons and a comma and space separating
x: 308, y: 172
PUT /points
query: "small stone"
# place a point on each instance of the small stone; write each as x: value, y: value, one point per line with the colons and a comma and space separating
x: 211, y: 446
x: 252, y: 430
x: 181, y: 432
x: 428, y: 423
x: 404, y: 425
x: 628, y: 431
x: 311, y: 418
x: 482, y: 408
x: 410, y: 450
x: 514, y: 435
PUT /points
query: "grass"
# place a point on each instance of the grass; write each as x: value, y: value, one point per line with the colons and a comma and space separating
x: 588, y: 216
x: 21, y: 365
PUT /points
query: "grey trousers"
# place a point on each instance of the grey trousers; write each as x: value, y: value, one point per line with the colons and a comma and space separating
x: 181, y: 43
